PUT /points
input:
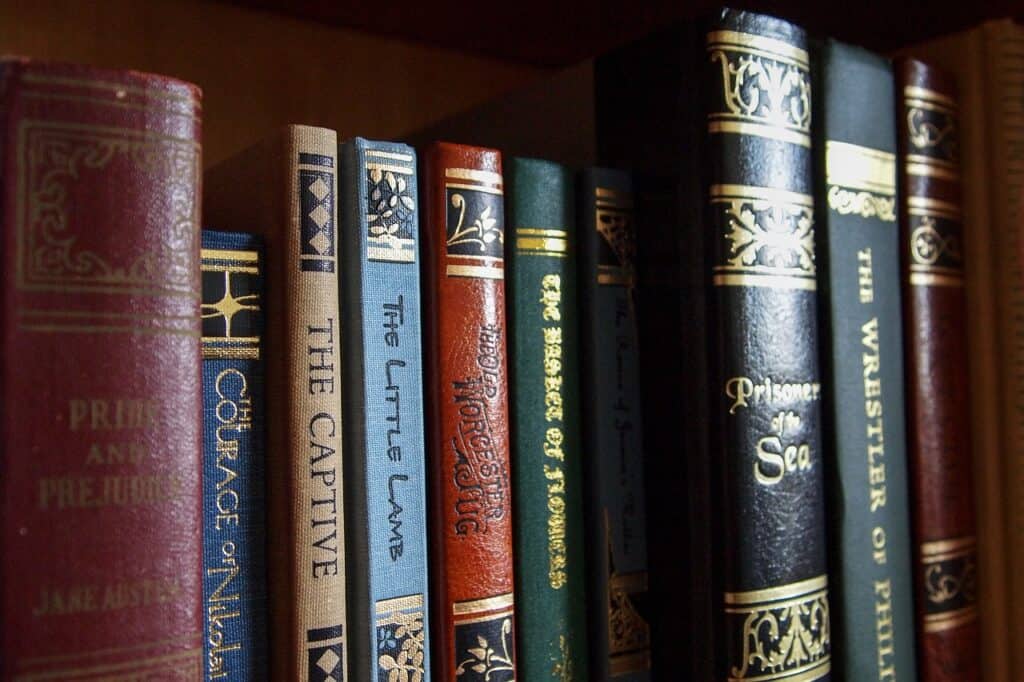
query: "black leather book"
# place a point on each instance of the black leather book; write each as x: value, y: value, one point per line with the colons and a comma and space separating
x: 862, y: 358
x: 714, y: 119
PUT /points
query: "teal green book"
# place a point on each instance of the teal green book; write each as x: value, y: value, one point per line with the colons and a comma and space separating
x: 862, y: 341
x: 540, y: 266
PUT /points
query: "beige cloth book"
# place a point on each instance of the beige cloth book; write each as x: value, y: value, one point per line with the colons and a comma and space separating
x: 286, y: 190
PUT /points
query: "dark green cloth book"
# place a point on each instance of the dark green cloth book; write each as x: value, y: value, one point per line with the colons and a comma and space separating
x: 540, y: 270
x: 620, y: 636
x: 862, y: 358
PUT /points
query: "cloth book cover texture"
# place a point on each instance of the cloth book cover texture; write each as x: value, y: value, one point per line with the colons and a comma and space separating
x: 384, y: 442
x: 939, y: 446
x: 862, y: 352
x: 467, y: 396
x: 284, y: 189
x: 544, y: 394
x: 100, y: 491
x: 615, y: 502
x: 234, y: 497
x: 727, y: 191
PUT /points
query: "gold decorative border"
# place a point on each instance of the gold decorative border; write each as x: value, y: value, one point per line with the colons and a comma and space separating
x: 474, y: 174
x: 930, y: 167
x: 948, y: 620
x: 497, y: 603
x: 769, y: 594
x: 858, y: 167
x: 950, y: 547
x: 769, y: 47
x: 184, y: 665
x: 917, y: 92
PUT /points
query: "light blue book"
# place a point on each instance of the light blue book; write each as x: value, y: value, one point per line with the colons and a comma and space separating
x: 385, y: 493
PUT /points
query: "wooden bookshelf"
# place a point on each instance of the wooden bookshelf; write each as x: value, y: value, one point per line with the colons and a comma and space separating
x: 259, y: 70
x: 387, y: 69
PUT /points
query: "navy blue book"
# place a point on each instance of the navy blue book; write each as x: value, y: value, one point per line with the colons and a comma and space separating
x: 385, y: 489
x: 234, y: 523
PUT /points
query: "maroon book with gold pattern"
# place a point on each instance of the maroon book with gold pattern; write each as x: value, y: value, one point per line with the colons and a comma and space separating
x: 466, y: 389
x: 938, y: 428
x: 100, y: 553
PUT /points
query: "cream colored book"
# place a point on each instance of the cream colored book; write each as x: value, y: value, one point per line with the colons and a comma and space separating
x: 286, y: 190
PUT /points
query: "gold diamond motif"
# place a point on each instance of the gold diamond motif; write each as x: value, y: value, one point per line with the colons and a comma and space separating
x: 320, y: 242
x: 319, y: 189
x: 320, y: 215
x: 328, y: 662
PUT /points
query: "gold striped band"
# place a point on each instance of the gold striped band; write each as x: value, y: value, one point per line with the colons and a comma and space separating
x: 380, y: 154
x: 779, y: 196
x: 857, y: 167
x: 537, y: 232
x: 929, y: 279
x: 775, y: 48
x: 770, y: 594
x: 547, y: 244
x: 939, y: 622
x: 477, y: 188
x: 742, y: 279
x: 484, y: 176
x: 917, y: 92
x: 926, y: 206
x: 481, y: 271
x: 947, y: 546
x: 231, y: 255
x: 497, y: 603
x: 926, y: 166
x: 778, y: 133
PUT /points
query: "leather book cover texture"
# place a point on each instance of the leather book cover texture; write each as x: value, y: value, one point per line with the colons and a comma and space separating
x: 862, y: 353
x: 986, y: 63
x: 100, y: 491
x: 547, y: 456
x: 285, y: 190
x: 384, y: 413
x: 620, y: 636
x: 935, y: 347
x: 467, y: 401
x: 728, y: 176
x: 234, y: 471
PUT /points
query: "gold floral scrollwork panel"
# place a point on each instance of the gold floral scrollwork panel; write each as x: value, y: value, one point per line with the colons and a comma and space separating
x: 65, y: 218
x: 766, y: 87
x: 767, y: 237
x: 949, y: 569
x: 780, y: 633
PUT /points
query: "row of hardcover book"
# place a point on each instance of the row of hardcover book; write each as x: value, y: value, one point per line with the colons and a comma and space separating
x: 463, y: 420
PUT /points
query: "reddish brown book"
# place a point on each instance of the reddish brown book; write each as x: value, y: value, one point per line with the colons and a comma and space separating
x: 938, y: 424
x: 100, y: 553
x: 466, y: 393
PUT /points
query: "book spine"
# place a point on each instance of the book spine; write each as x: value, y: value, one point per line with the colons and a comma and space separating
x: 939, y: 445
x: 313, y: 623
x: 615, y: 505
x: 101, y: 456
x: 234, y: 522
x: 1004, y: 76
x: 473, y: 603
x: 862, y: 340
x: 544, y: 393
x: 766, y: 385
x: 384, y: 444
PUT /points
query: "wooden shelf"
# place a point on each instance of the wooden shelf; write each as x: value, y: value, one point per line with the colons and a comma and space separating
x: 565, y: 32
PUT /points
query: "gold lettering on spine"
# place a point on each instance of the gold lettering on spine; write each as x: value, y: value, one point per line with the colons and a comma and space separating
x: 554, y: 436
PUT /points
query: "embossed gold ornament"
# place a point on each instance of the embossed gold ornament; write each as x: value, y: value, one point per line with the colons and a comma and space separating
x: 864, y: 204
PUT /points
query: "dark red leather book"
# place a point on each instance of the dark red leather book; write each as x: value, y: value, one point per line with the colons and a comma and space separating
x: 466, y: 394
x: 100, y: 552
x: 938, y: 427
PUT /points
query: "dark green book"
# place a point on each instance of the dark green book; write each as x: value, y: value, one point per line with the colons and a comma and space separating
x: 540, y: 266
x: 859, y: 295
x: 620, y: 635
